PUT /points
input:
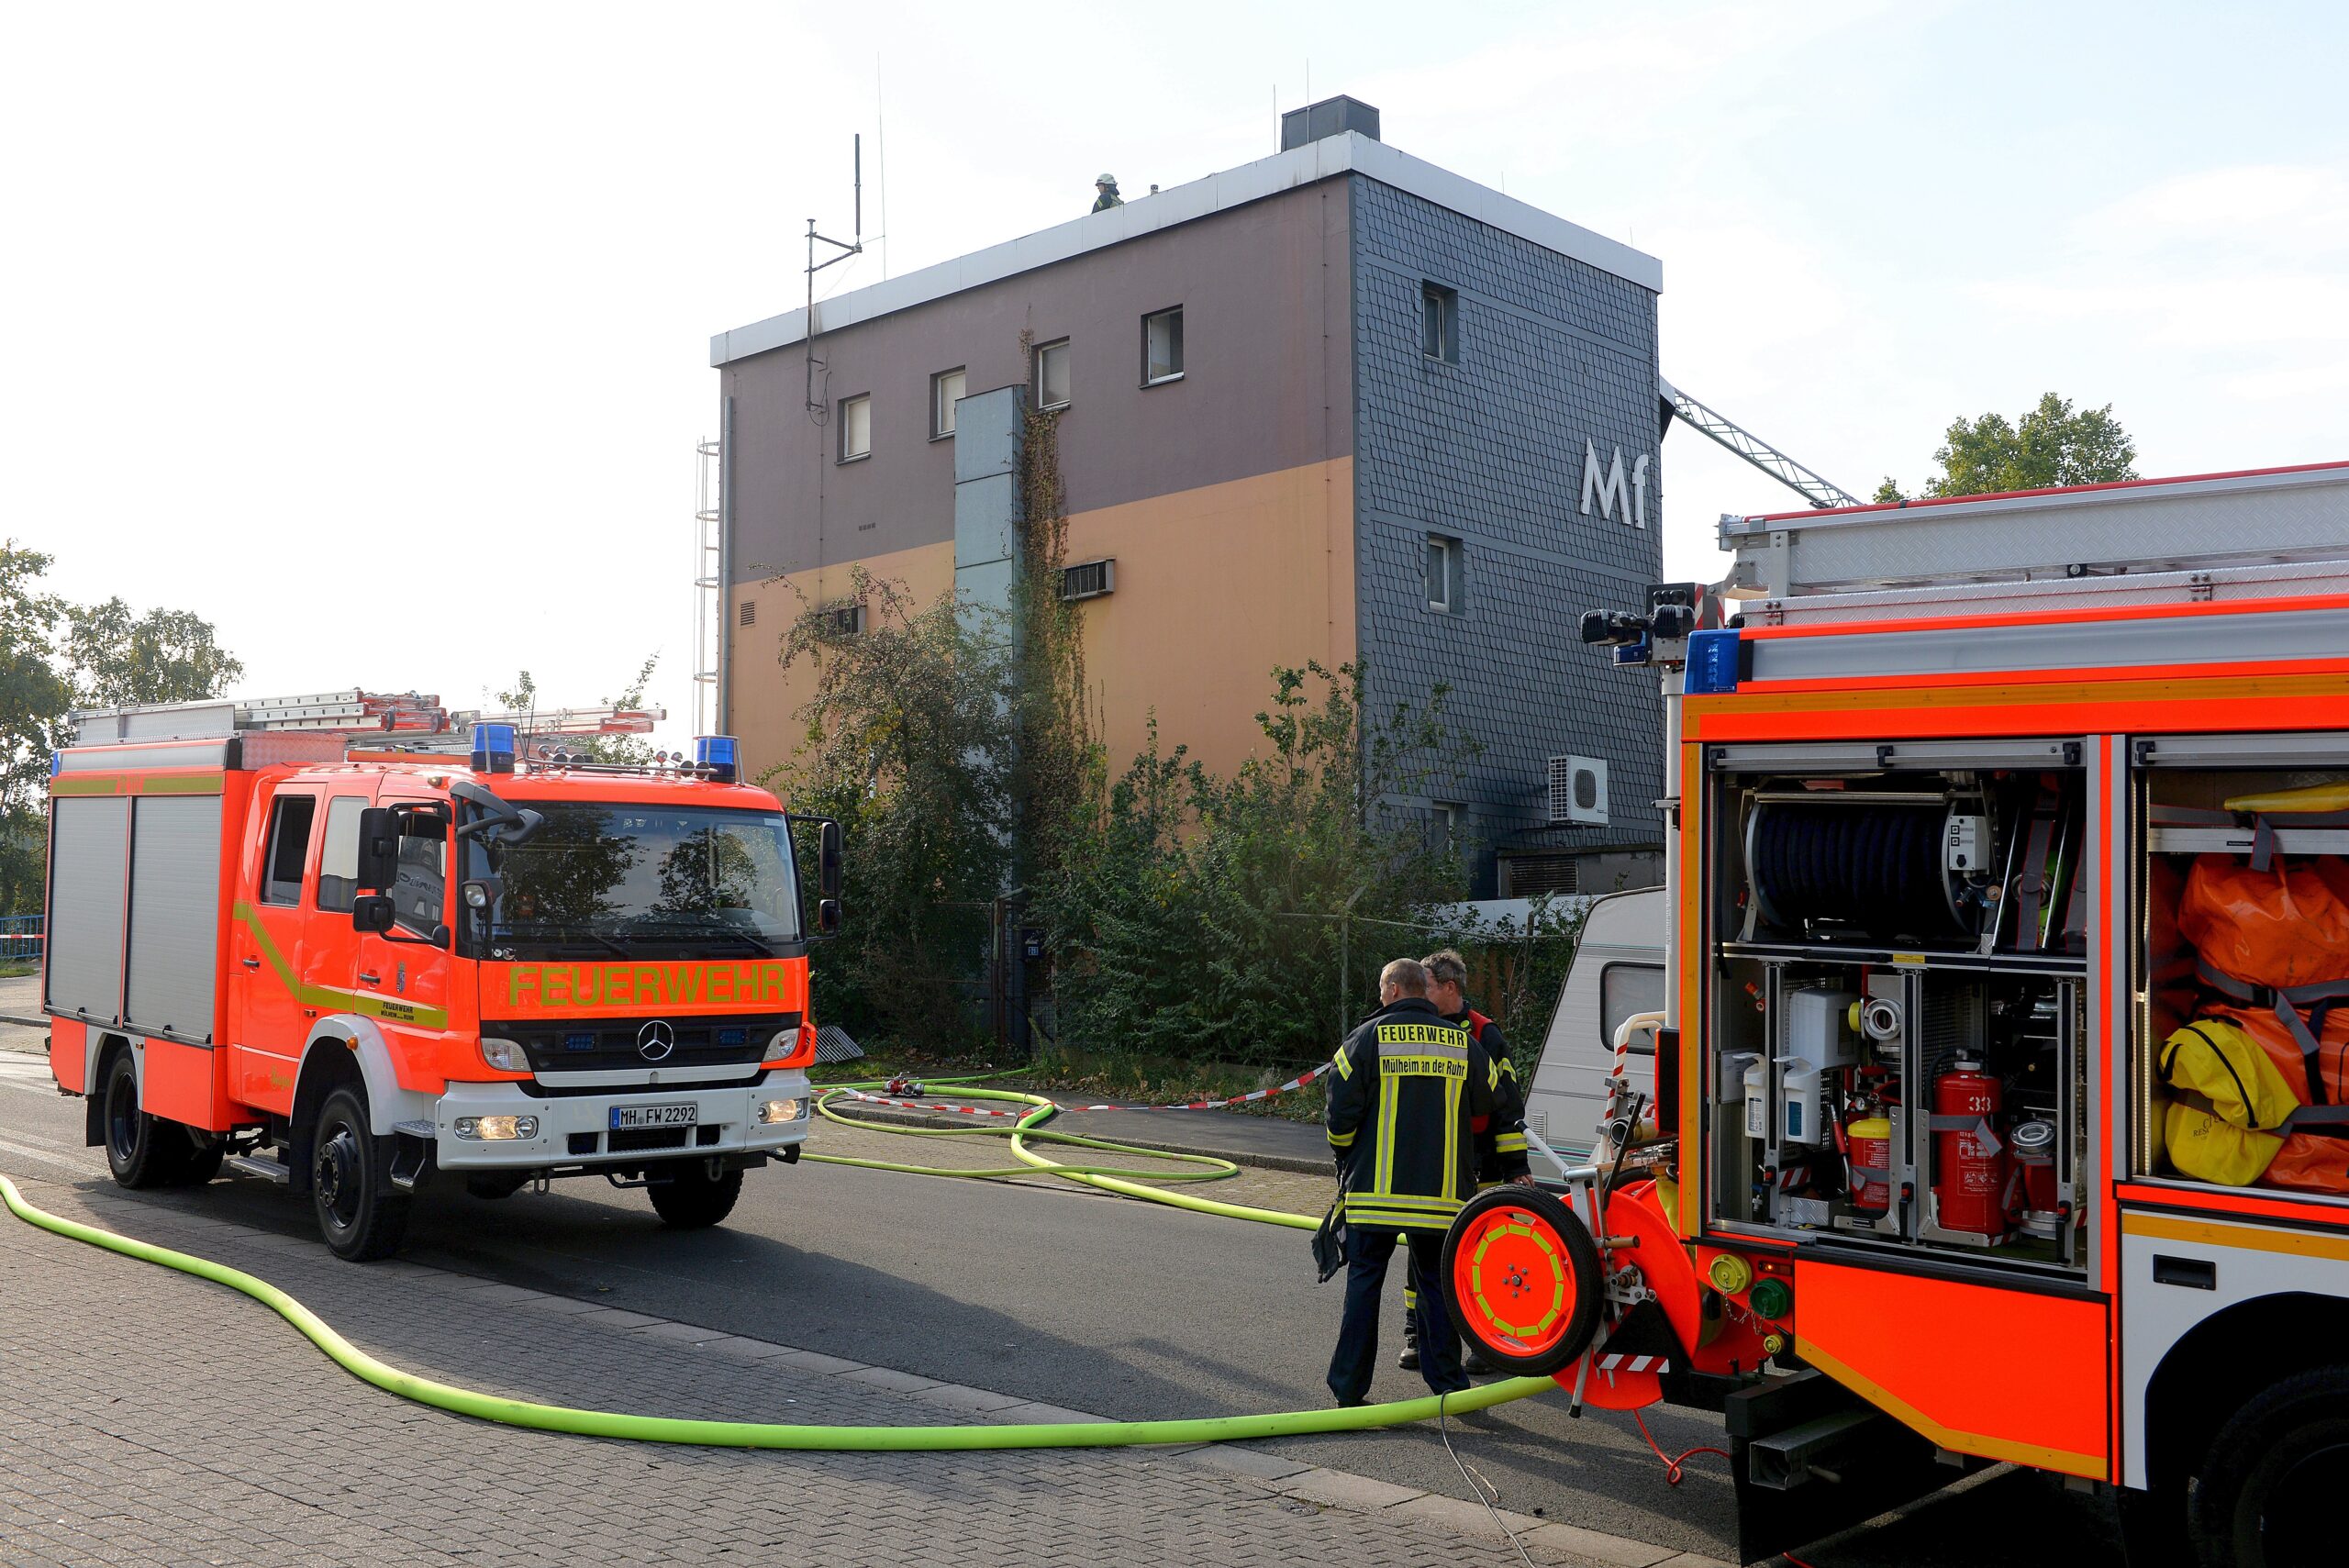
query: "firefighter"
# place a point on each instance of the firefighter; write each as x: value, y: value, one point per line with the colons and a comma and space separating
x: 1409, y: 1094
x: 1105, y: 193
x: 1503, y: 1157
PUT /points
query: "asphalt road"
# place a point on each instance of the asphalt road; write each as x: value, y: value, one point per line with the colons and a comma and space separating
x: 1088, y: 1301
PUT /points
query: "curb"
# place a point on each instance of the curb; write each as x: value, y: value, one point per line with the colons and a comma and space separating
x: 19, y: 1018
x: 1290, y: 1162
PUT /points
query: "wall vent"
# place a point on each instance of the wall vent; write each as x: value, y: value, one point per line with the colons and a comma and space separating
x: 1577, y: 791
x: 748, y: 615
x: 1089, y: 580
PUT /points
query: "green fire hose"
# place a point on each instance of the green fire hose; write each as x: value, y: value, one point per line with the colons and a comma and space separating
x: 775, y: 1435
x: 1109, y: 1178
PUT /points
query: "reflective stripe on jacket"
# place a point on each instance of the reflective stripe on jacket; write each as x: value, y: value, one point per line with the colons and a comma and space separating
x: 1409, y: 1092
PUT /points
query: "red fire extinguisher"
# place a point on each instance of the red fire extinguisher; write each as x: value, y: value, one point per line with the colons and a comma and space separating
x: 1970, y: 1162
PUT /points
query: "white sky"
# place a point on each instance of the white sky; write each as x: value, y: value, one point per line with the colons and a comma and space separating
x: 379, y: 336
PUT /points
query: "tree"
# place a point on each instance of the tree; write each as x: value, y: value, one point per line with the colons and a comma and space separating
x: 2050, y: 445
x: 1207, y: 916
x: 120, y: 658
x: 907, y: 743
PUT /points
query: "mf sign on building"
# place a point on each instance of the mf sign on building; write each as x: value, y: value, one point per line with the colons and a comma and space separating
x: 1603, y: 493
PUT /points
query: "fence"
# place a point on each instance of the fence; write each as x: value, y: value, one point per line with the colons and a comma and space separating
x: 21, y: 939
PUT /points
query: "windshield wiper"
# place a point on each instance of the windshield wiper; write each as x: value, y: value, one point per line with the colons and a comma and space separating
x: 697, y: 929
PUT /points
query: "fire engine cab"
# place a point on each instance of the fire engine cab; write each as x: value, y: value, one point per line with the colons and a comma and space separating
x: 2000, y: 1100
x: 352, y: 943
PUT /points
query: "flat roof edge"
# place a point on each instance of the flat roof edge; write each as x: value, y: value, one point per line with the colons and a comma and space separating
x: 1300, y: 166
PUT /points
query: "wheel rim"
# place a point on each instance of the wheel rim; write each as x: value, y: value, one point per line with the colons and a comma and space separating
x: 122, y: 1118
x: 1514, y: 1281
x: 2300, y: 1519
x: 334, y: 1175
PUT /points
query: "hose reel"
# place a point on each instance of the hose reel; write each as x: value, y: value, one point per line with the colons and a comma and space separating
x: 1872, y: 863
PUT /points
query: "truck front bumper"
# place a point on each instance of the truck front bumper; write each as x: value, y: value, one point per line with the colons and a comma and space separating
x: 576, y: 1129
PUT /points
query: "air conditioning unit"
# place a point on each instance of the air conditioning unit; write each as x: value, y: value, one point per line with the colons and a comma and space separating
x: 1578, y: 791
x: 1089, y: 580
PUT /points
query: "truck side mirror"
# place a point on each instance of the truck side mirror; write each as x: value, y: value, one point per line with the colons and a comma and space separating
x: 827, y: 861
x: 828, y: 918
x: 379, y: 847
x: 372, y: 912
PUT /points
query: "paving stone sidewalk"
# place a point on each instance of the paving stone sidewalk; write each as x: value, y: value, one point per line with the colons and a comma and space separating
x: 150, y: 1417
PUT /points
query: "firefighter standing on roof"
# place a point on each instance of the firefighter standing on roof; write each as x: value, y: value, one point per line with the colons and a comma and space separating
x: 1504, y: 1153
x: 1410, y: 1094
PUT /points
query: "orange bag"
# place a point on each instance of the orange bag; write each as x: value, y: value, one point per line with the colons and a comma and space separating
x: 2310, y: 1161
x: 2287, y: 926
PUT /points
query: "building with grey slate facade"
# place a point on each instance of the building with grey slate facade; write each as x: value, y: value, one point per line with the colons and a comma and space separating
x: 1336, y: 405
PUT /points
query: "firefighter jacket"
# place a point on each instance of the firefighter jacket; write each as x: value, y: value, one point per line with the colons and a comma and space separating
x: 1504, y: 1156
x: 1410, y: 1100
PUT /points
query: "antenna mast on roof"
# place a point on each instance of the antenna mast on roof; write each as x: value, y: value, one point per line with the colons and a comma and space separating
x: 818, y: 409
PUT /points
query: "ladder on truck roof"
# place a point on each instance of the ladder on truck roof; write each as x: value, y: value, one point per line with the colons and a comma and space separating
x: 2259, y: 534
x: 406, y: 717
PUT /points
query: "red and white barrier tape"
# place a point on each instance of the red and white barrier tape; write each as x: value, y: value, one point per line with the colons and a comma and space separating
x: 1300, y: 1081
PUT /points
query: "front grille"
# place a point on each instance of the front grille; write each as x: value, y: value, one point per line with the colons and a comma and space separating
x: 606, y: 1045
x: 646, y: 1138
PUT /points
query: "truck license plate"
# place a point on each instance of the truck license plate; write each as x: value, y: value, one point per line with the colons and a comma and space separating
x: 633, y: 1119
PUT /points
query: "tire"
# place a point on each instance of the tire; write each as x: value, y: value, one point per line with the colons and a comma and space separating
x: 2269, y: 1491
x: 1522, y: 1280
x: 361, y: 1215
x: 142, y: 1151
x: 692, y: 1199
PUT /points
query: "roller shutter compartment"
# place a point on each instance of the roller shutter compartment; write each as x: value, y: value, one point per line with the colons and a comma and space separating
x: 89, y: 851
x: 174, y: 916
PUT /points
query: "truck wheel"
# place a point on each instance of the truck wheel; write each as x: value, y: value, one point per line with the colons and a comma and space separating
x: 1521, y: 1279
x: 142, y: 1151
x: 360, y: 1214
x: 692, y: 1199
x: 2270, y: 1494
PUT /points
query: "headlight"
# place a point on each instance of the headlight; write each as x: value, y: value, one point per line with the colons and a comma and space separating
x: 498, y: 1128
x: 505, y: 1055
x: 784, y: 1043
x: 779, y: 1110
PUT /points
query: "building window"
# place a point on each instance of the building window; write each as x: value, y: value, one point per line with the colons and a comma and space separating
x: 1162, y: 347
x: 1446, y: 819
x: 1439, y: 323
x: 843, y: 620
x: 945, y: 391
x: 1051, y: 374
x: 856, y: 427
x: 1443, y: 574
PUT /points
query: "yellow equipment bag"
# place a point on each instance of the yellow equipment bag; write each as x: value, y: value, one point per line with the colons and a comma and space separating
x: 2227, y: 1090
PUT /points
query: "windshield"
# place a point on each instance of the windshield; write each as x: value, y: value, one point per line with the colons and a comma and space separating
x: 634, y: 881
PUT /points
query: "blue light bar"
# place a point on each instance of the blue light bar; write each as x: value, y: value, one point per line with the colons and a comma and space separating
x: 714, y: 752
x: 1712, y: 662
x: 493, y: 749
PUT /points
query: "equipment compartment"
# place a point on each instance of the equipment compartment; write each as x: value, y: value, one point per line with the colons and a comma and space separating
x: 2241, y: 1053
x: 1898, y: 969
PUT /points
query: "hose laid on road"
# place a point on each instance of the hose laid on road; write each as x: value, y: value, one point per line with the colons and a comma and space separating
x: 764, y: 1434
x: 1108, y: 1178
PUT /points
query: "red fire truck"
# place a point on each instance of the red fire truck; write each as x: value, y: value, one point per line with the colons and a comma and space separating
x: 345, y: 941
x: 1997, y: 1103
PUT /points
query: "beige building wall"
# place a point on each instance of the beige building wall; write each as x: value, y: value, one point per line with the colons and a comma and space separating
x: 1214, y: 587
x: 766, y: 696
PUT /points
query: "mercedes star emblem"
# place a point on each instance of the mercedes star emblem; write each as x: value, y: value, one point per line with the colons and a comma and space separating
x: 655, y: 1040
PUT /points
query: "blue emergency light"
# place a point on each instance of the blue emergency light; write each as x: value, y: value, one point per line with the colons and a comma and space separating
x: 714, y: 752
x: 1714, y: 658
x: 493, y: 749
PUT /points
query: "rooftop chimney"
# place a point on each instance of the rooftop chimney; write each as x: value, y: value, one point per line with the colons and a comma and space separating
x: 1331, y: 117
